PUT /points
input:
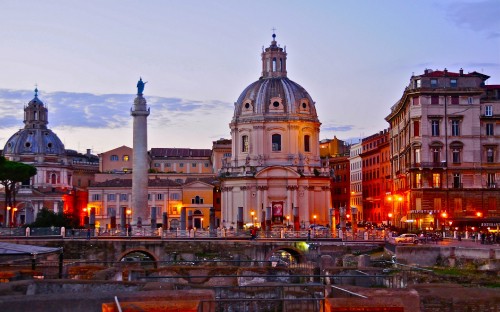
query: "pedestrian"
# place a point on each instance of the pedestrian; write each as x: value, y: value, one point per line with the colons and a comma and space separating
x: 88, y: 233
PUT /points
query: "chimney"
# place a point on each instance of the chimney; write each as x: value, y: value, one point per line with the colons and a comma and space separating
x: 88, y: 151
x: 426, y: 71
x: 445, y: 72
x: 461, y: 72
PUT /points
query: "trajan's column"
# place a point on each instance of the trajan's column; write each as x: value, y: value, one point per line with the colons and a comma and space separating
x: 140, y: 113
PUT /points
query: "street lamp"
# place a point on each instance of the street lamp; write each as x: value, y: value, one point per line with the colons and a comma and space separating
x: 14, y: 216
x: 129, y: 213
x: 390, y: 217
x: 202, y: 223
x: 252, y: 213
x: 288, y: 220
x: 314, y: 218
x: 8, y: 217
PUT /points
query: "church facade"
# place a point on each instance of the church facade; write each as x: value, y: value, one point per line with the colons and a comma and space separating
x: 275, y: 176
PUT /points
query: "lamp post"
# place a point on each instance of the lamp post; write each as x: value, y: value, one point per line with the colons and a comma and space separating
x: 202, y: 223
x: 7, y: 220
x: 288, y: 220
x: 314, y: 219
x: 389, y: 215
x: 129, y: 214
x: 14, y: 216
x: 252, y: 213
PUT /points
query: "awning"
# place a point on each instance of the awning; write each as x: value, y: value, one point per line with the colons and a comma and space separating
x: 404, y: 218
x: 7, y: 249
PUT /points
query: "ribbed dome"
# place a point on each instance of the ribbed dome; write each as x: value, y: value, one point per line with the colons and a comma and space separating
x: 35, y: 138
x: 274, y: 97
x: 34, y: 141
x: 271, y: 98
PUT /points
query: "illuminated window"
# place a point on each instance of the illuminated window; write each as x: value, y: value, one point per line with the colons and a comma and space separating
x: 436, y: 180
x: 125, y: 158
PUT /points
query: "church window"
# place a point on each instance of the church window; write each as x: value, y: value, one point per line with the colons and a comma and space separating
x: 27, y: 144
x: 274, y: 64
x: 244, y: 144
x: 276, y: 104
x: 247, y: 105
x: 307, y: 147
x: 304, y: 105
x: 276, y: 141
x: 49, y: 145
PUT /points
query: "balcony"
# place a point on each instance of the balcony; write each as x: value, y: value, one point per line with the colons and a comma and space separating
x: 442, y: 164
x: 457, y: 185
x: 491, y: 185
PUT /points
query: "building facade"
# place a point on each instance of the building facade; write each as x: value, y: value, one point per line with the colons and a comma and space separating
x: 444, y: 151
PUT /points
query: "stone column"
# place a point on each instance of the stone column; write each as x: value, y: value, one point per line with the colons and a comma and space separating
x: 140, y: 113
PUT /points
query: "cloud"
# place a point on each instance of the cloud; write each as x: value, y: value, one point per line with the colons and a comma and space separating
x: 104, y: 111
x: 344, y: 128
x: 480, y: 16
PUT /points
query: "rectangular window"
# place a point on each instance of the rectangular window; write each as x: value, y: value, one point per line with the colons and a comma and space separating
x: 470, y: 100
x: 114, y: 158
x: 193, y: 165
x: 276, y: 142
x: 416, y: 128
x: 416, y: 100
x: 168, y: 165
x: 111, y: 197
x: 456, y: 181
x: 418, y: 180
x: 456, y: 156
x: 434, y: 100
x: 488, y: 110
x: 453, y: 83
x: 455, y: 127
x: 435, y: 155
x: 159, y: 196
x: 491, y: 180
x: 417, y: 156
x: 157, y: 165
x: 455, y: 100
x: 149, y: 196
x: 434, y: 83
x: 435, y: 127
x: 489, y: 155
x: 489, y: 129
x: 244, y: 144
x: 175, y: 196
x: 123, y: 197
x: 418, y: 83
x: 181, y: 165
x: 436, y: 180
x: 96, y: 197
x: 306, y: 144
x: 206, y: 165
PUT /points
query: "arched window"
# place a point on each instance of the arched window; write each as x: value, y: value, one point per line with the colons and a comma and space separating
x: 307, y: 147
x: 244, y: 144
x: 197, y: 200
x: 276, y: 141
x: 274, y: 64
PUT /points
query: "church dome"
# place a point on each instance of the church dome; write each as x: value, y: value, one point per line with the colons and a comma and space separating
x: 35, y: 138
x: 274, y: 96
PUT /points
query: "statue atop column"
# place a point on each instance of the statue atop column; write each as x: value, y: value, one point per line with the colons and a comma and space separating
x: 140, y: 86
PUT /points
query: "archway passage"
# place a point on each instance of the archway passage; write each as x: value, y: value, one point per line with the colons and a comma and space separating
x: 144, y: 259
x: 285, y: 256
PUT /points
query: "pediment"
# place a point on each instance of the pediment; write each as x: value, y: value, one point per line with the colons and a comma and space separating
x: 277, y: 172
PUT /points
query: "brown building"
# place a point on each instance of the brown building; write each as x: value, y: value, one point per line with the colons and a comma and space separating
x: 375, y: 173
x: 444, y: 135
x: 341, y: 183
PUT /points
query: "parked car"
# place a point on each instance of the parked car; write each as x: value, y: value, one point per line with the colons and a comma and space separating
x: 407, y: 238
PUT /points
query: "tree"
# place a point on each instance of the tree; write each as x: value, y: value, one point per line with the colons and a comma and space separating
x: 12, y: 172
x: 48, y: 218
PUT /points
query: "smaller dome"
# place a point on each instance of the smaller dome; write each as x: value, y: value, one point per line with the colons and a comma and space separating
x: 34, y: 141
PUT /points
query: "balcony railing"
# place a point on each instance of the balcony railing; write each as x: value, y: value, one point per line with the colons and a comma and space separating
x: 457, y: 185
x: 429, y: 165
x: 491, y: 185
